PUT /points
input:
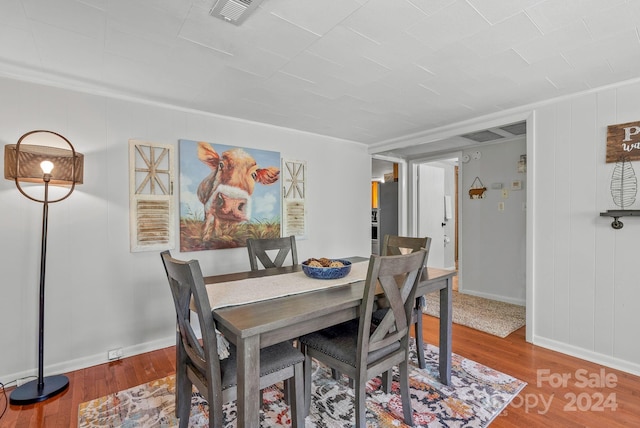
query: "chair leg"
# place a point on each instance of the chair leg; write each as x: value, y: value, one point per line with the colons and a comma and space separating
x: 184, y: 387
x: 287, y: 383
x: 387, y: 378
x: 420, y: 342
x: 405, y: 393
x: 307, y: 381
x: 183, y: 398
x: 297, y: 401
x: 418, y: 332
x: 361, y: 405
x: 335, y: 374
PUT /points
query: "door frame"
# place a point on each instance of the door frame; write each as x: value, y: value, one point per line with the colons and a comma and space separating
x: 437, y: 135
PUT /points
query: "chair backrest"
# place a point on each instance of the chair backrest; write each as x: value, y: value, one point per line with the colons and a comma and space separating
x: 259, y: 248
x: 398, y: 277
x: 393, y: 245
x: 187, y: 285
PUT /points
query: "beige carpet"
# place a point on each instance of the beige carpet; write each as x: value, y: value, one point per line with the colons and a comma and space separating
x: 491, y: 316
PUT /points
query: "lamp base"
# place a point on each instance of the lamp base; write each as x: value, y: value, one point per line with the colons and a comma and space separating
x: 29, y: 393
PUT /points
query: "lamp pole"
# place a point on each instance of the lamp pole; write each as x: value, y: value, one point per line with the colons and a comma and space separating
x: 43, y: 265
x: 42, y: 388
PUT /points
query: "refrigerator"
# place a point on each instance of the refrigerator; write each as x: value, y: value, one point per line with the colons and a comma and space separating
x: 386, y: 215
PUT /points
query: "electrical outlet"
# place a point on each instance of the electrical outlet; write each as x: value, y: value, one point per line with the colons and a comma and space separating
x: 505, y: 193
x: 115, y: 354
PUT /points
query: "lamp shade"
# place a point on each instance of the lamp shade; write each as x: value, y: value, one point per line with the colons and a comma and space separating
x: 23, y: 164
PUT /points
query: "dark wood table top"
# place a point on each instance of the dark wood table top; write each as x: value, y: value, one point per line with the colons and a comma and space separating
x: 267, y: 316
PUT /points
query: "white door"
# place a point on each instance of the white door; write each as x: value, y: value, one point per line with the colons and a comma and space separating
x: 431, y: 211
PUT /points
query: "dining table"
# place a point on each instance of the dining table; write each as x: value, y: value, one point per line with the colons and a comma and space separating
x: 261, y: 321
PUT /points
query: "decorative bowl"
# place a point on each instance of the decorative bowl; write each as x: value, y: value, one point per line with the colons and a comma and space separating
x: 327, y: 272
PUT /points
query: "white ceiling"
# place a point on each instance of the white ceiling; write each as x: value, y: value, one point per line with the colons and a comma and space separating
x: 363, y: 70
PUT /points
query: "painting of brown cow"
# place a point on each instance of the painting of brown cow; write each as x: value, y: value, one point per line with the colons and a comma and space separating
x: 236, y: 189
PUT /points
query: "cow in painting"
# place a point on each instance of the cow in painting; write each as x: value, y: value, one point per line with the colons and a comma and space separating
x: 226, y: 191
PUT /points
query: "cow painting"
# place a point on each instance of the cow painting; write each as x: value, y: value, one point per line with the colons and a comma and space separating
x: 226, y: 192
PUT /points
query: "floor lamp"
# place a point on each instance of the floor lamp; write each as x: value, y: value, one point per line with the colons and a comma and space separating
x: 42, y: 157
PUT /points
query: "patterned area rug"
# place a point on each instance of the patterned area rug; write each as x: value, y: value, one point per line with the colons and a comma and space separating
x: 477, y: 395
x: 491, y: 316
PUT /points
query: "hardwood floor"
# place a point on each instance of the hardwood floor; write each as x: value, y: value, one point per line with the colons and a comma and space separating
x: 543, y: 403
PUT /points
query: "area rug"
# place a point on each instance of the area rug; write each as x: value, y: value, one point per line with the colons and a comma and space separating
x: 491, y: 316
x: 477, y: 395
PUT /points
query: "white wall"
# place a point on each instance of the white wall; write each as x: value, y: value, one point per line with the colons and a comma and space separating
x: 493, y: 242
x: 99, y: 295
x: 585, y: 276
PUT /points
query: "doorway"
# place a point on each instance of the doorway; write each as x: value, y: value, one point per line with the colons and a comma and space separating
x: 491, y: 231
x: 465, y: 145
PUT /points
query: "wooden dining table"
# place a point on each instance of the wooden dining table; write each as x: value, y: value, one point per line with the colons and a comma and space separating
x: 256, y: 325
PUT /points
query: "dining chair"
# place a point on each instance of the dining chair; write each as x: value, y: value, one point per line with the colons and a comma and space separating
x: 198, y: 363
x: 259, y: 250
x: 395, y: 245
x: 363, y: 350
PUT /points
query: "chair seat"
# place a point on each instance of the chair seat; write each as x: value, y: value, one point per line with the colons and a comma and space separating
x: 272, y: 359
x: 341, y: 343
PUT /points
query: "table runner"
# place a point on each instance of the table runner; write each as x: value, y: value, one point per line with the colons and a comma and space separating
x: 252, y: 290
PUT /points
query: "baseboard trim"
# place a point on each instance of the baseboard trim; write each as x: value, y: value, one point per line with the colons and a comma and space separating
x: 519, y: 302
x: 585, y: 354
x: 93, y: 360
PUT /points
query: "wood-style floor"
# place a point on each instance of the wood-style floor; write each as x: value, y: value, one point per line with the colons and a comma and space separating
x: 604, y: 402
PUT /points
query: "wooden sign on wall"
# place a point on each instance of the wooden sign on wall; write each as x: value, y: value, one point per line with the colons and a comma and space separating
x: 623, y: 141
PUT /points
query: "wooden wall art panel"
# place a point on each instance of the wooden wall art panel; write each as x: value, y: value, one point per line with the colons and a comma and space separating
x: 151, y: 206
x: 294, y: 196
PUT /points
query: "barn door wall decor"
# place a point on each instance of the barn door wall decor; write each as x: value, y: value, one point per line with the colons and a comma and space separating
x: 227, y: 194
x: 151, y: 205
x: 294, y: 194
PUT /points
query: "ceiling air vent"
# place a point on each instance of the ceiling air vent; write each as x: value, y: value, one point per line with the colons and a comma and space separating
x: 519, y: 128
x: 482, y: 136
x: 234, y: 11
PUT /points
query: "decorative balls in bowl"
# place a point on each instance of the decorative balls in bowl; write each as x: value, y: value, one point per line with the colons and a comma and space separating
x: 326, y: 268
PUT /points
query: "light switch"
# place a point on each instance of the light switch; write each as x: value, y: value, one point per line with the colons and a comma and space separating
x: 500, y: 206
x: 505, y: 193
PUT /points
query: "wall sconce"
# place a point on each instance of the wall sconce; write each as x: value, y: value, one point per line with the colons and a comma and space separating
x: 48, y: 158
